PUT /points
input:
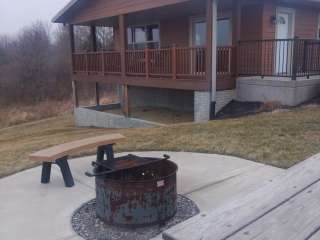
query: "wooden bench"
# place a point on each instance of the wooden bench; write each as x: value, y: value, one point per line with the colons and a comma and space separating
x: 286, y: 208
x: 59, y: 155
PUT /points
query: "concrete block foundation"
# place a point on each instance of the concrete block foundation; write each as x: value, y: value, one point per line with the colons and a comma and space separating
x: 202, y: 105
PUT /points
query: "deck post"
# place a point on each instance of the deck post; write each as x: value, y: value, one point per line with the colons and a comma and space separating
x: 97, y: 94
x: 72, y: 47
x: 236, y: 24
x: 174, y: 62
x: 295, y: 56
x: 122, y: 34
x: 211, y: 63
x: 93, y: 38
x: 75, y: 94
x: 147, y: 59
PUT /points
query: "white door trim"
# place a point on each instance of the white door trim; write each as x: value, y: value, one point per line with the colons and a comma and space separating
x: 291, y: 11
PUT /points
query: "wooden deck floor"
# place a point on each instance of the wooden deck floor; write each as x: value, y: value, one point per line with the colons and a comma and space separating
x: 286, y: 208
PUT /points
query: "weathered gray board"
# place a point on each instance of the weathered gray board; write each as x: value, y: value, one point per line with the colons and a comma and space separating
x: 286, y: 208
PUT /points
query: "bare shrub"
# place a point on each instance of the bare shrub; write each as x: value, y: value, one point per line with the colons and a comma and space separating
x: 34, y: 67
x: 24, y: 113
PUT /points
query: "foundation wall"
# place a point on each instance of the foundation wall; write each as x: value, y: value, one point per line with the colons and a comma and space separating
x: 164, y: 98
x: 285, y: 91
x: 223, y: 98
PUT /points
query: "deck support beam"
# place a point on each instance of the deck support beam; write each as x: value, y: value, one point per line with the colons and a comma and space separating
x: 122, y: 35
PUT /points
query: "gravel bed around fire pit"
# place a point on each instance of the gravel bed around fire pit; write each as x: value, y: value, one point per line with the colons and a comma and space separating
x: 85, y: 222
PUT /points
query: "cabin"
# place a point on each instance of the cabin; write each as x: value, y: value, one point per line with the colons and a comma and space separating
x: 198, y: 55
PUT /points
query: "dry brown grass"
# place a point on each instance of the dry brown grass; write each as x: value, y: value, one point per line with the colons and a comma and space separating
x: 13, y: 115
x: 281, y: 138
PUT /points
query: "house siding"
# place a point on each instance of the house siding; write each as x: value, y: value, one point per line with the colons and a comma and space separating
x: 306, y: 20
x: 251, y: 21
x: 175, y: 31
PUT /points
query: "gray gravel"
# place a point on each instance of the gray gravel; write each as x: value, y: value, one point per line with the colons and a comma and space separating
x: 88, y: 226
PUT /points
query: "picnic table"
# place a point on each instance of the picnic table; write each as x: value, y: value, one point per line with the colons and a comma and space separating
x: 288, y: 207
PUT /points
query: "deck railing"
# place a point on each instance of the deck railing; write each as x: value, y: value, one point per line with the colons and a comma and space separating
x: 172, y: 63
x: 279, y: 57
x: 97, y: 62
x: 176, y: 63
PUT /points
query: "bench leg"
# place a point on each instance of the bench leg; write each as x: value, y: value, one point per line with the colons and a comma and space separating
x: 100, y: 154
x: 109, y: 152
x: 65, y: 170
x: 102, y: 150
x: 46, y: 171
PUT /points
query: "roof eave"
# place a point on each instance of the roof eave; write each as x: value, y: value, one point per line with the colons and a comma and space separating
x: 58, y: 18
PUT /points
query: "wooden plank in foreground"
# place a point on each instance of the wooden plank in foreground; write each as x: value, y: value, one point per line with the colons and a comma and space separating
x: 227, y: 221
x: 296, y: 219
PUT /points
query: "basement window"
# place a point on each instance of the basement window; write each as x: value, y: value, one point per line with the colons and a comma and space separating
x: 142, y: 36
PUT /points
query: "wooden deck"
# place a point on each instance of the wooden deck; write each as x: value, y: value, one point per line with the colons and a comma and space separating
x: 286, y: 208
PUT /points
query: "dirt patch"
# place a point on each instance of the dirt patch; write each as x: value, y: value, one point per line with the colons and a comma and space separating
x: 159, y: 115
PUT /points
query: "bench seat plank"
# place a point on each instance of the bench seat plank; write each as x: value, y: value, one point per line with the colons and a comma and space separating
x: 233, y: 217
x: 53, y: 153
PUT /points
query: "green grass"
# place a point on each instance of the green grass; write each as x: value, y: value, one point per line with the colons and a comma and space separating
x: 280, y: 139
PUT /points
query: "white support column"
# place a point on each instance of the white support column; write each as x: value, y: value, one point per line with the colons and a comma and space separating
x: 214, y: 50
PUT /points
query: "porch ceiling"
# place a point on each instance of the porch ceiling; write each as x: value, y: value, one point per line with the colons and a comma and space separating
x: 191, y: 8
x: 313, y: 3
x: 164, y: 9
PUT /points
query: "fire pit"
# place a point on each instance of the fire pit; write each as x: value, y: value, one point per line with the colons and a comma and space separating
x: 132, y: 191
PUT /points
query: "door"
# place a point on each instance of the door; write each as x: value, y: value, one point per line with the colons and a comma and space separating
x: 284, y: 48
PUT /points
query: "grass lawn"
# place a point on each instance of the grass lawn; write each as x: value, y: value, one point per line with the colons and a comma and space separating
x: 280, y: 138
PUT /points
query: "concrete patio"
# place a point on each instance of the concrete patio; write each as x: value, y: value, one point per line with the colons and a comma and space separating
x: 29, y: 210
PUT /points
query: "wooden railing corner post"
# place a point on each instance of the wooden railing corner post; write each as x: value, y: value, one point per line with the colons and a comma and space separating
x: 103, y: 66
x: 87, y: 63
x: 147, y: 60
x: 174, y: 62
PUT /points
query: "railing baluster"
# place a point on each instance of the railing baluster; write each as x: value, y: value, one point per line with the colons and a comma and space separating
x: 103, y: 63
x: 174, y: 63
x: 87, y: 64
x: 147, y: 60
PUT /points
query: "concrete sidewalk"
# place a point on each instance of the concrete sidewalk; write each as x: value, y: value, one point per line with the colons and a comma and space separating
x: 32, y: 211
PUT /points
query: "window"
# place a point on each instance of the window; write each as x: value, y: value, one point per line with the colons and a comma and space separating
x: 224, y: 32
x: 318, y: 32
x: 199, y: 33
x: 143, y: 36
